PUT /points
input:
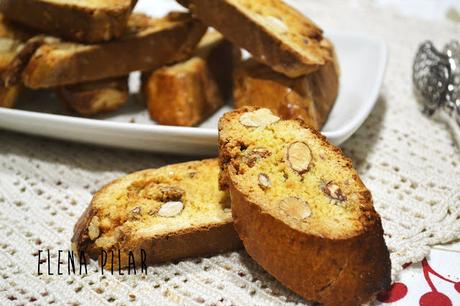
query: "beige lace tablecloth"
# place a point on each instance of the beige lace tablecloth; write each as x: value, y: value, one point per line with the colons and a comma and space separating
x: 410, y: 164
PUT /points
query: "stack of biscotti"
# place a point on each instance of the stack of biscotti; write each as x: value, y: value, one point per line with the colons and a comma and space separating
x: 97, y: 44
x: 293, y: 70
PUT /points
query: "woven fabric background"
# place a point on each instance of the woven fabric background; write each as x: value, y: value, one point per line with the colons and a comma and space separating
x: 409, y: 162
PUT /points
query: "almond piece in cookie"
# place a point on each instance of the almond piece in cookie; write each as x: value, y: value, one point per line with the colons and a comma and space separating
x: 298, y: 156
x: 170, y: 209
x: 294, y: 207
x: 258, y: 118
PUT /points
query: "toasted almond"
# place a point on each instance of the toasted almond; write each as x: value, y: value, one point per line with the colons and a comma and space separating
x: 334, y: 192
x: 170, y: 193
x: 295, y: 208
x: 254, y: 155
x: 264, y: 181
x: 93, y: 228
x: 170, y: 209
x: 298, y: 156
x: 135, y: 212
x: 259, y: 118
x: 277, y: 23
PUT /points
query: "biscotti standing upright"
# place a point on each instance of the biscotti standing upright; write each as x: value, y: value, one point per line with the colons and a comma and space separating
x: 78, y: 20
x: 188, y: 92
x: 96, y: 97
x: 171, y: 212
x: 147, y: 44
x: 310, y: 97
x: 301, y: 210
x: 272, y: 31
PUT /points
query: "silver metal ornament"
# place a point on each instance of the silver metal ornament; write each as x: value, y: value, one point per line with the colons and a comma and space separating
x: 436, y: 78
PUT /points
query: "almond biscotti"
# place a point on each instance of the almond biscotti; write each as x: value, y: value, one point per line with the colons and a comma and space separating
x: 79, y: 20
x: 171, y: 212
x: 310, y: 97
x: 301, y: 210
x: 16, y: 48
x: 188, y: 92
x: 97, y: 97
x: 273, y: 32
x: 8, y: 51
x: 147, y: 44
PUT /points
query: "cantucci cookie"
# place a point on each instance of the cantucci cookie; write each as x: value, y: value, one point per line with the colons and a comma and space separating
x: 96, y: 97
x: 188, y: 92
x: 16, y: 48
x: 81, y: 20
x: 301, y: 210
x: 147, y: 44
x: 171, y: 212
x: 310, y: 97
x: 273, y: 32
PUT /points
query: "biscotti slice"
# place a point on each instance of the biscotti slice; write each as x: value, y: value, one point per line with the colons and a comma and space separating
x: 79, y: 20
x: 16, y: 48
x: 188, y: 92
x: 148, y: 44
x: 272, y: 31
x: 309, y: 98
x: 255, y: 84
x: 301, y: 210
x: 96, y: 97
x: 171, y: 212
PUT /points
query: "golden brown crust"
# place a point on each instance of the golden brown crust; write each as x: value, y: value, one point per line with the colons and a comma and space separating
x: 188, y: 92
x: 147, y: 44
x: 324, y: 85
x: 73, y: 22
x: 294, y: 51
x: 207, y: 241
x: 309, y: 98
x: 97, y: 97
x: 345, y: 271
x: 11, y: 75
x: 14, y: 55
x: 318, y: 269
x: 200, y: 240
x: 257, y: 85
x: 9, y: 95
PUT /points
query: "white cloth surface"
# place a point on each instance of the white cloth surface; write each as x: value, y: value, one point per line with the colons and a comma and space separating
x: 409, y: 163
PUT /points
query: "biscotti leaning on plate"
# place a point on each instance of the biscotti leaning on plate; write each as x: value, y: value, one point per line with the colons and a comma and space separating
x: 273, y: 32
x: 96, y: 97
x: 301, y: 210
x: 188, y: 92
x: 168, y: 212
x: 147, y: 44
x: 309, y: 97
x: 82, y: 20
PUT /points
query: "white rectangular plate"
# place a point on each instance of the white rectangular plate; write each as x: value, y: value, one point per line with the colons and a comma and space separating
x: 362, y: 63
